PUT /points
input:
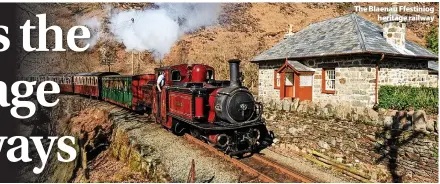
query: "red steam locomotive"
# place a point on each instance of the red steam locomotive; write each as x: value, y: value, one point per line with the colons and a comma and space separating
x: 222, y: 113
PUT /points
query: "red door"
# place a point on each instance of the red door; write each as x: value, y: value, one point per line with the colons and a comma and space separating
x: 287, y: 85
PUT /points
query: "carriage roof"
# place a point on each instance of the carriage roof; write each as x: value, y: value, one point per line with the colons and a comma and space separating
x: 97, y: 74
x: 128, y: 76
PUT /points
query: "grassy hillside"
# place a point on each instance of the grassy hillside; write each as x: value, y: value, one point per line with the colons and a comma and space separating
x: 244, y: 31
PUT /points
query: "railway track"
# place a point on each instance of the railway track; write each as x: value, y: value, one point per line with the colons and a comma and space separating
x: 258, y: 167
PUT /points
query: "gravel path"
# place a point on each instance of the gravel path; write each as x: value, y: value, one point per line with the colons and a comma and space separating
x: 300, y: 165
x: 174, y: 152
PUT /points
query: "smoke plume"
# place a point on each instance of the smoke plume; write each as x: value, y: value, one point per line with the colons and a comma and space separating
x: 157, y: 29
x: 94, y: 26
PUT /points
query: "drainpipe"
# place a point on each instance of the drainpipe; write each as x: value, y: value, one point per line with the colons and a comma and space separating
x: 377, y: 79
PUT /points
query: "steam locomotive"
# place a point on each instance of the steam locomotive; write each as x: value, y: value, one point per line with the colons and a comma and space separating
x: 222, y: 113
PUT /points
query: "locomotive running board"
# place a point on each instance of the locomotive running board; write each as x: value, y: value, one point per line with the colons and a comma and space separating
x: 215, y: 125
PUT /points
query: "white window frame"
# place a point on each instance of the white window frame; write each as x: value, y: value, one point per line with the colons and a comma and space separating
x: 330, y: 77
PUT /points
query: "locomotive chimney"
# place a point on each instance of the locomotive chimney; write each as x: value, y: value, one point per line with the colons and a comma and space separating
x: 234, y: 65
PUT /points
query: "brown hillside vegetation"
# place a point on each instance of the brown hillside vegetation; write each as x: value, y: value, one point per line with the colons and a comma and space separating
x: 244, y: 31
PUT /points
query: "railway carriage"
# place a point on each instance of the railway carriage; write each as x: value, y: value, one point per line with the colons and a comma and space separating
x: 88, y: 84
x: 125, y: 90
x: 64, y: 81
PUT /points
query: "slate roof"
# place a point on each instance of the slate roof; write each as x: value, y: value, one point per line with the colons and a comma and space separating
x: 432, y: 65
x: 299, y: 66
x: 341, y: 35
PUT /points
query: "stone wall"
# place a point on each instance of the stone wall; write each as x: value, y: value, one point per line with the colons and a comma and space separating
x: 266, y: 80
x: 354, y: 85
x: 433, y: 80
x: 399, y: 73
x: 355, y: 78
x: 386, y: 145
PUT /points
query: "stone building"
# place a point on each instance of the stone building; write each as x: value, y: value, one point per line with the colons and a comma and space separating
x: 344, y: 60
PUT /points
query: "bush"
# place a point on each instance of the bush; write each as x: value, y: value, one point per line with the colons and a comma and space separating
x: 404, y: 97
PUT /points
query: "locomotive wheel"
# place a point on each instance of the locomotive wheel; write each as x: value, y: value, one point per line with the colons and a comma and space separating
x: 178, y: 128
x: 194, y: 132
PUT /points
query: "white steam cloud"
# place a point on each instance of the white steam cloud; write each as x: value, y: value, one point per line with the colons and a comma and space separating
x: 156, y: 30
x: 94, y: 26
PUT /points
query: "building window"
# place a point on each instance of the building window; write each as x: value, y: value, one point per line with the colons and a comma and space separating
x: 276, y: 79
x: 329, y: 80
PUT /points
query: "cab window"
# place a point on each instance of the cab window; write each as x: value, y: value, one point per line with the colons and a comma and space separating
x: 209, y: 75
x: 175, y: 75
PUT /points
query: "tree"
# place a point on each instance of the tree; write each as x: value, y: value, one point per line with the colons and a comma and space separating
x: 432, y: 39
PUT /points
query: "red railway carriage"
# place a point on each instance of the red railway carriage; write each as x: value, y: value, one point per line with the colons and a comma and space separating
x: 138, y: 82
x: 65, y: 81
x: 89, y: 84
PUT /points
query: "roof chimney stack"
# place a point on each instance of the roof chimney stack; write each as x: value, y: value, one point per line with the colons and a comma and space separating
x: 393, y: 29
x: 290, y: 32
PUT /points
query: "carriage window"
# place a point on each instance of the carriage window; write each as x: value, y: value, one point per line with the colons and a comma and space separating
x: 209, y: 75
x: 175, y: 75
